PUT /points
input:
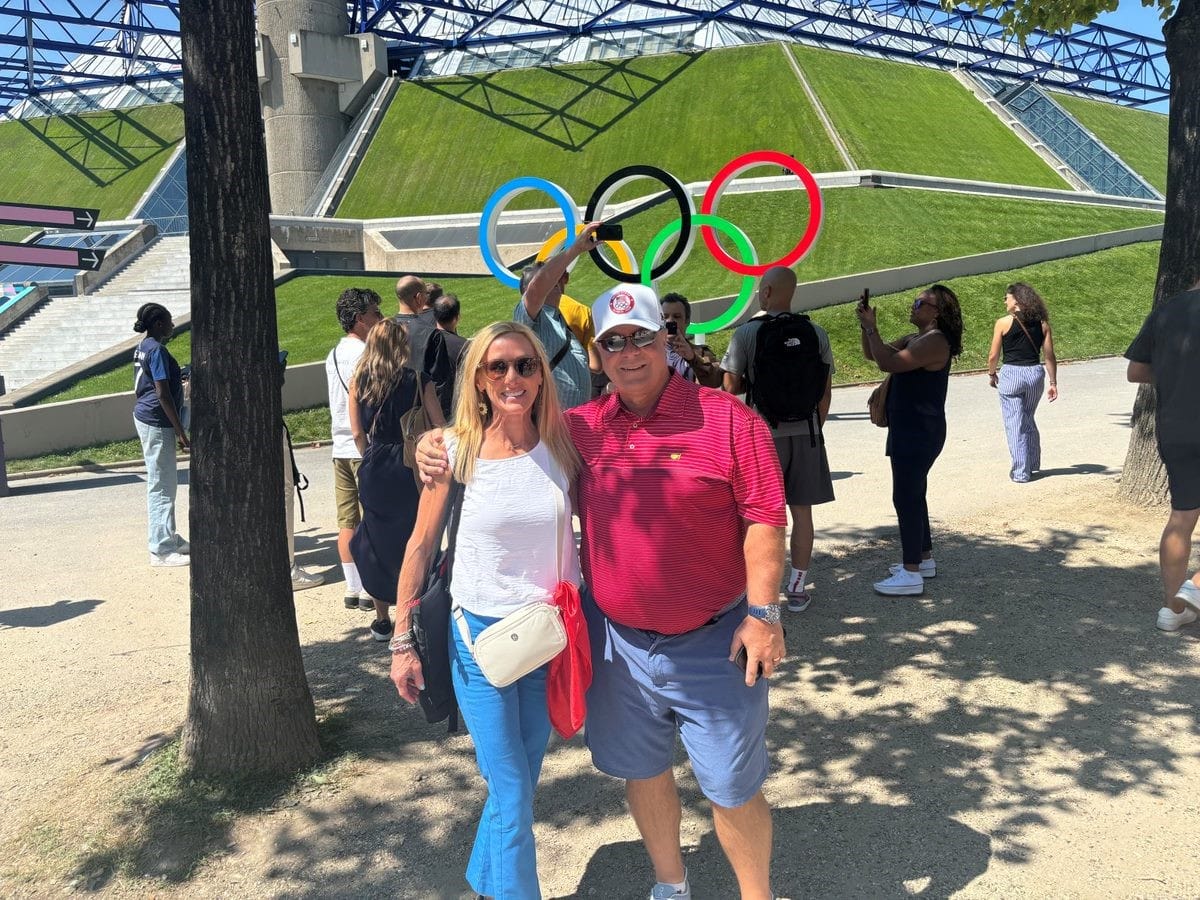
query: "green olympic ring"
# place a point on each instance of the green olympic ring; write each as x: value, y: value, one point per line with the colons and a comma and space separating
x: 739, y: 239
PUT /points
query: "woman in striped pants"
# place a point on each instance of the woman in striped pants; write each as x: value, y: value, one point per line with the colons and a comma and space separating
x: 1023, y: 335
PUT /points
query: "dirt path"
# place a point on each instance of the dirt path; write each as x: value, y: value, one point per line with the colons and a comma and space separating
x: 1021, y: 730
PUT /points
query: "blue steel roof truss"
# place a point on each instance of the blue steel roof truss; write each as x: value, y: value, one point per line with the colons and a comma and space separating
x: 40, y: 38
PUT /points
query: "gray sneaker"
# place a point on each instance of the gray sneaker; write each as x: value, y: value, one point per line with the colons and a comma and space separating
x: 663, y: 891
x: 301, y: 579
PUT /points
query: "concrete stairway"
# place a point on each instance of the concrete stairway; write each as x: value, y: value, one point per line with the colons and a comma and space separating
x: 66, y: 330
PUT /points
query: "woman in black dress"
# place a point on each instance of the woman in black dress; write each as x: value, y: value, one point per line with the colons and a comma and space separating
x: 919, y: 365
x: 382, y: 389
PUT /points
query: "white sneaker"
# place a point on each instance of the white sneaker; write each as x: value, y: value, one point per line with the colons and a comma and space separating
x: 169, y: 559
x: 302, y: 579
x: 1189, y: 594
x: 927, y: 568
x: 901, y: 584
x: 1173, y: 621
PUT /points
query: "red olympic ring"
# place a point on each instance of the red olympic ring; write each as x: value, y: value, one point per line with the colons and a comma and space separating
x: 735, y: 167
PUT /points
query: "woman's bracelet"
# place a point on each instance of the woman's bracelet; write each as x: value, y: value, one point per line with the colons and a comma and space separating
x: 402, y: 642
x: 867, y: 332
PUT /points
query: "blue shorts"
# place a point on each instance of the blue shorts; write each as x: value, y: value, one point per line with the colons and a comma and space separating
x: 648, y: 686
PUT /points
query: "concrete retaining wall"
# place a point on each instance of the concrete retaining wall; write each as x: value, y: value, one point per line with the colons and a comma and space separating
x: 35, y: 430
x: 22, y: 307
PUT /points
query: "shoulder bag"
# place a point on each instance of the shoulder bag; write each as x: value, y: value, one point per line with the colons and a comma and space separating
x: 413, y: 424
x: 523, y: 640
x: 877, y: 403
x: 430, y: 624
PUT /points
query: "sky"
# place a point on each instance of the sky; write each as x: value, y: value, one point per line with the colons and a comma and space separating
x: 1132, y: 16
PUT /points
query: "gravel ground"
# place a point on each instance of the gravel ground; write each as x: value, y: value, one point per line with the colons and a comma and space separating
x: 1021, y: 730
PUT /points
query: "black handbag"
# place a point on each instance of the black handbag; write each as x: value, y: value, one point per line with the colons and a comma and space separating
x: 430, y: 623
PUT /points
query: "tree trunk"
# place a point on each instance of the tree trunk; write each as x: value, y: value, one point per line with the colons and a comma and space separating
x: 249, y: 707
x: 1144, y: 480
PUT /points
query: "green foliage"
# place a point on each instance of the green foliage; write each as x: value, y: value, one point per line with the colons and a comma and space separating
x: 905, y: 118
x: 689, y: 114
x: 103, y: 160
x: 1023, y: 17
x: 1138, y: 136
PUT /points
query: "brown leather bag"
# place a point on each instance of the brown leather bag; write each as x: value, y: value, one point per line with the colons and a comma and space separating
x: 877, y: 403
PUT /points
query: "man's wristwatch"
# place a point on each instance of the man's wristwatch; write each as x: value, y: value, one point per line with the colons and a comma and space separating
x: 769, y: 613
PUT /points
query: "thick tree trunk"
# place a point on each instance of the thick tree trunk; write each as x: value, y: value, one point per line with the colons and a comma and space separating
x: 249, y: 707
x: 1144, y: 480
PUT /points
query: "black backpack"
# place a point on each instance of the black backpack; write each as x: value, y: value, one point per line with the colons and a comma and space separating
x: 789, y: 374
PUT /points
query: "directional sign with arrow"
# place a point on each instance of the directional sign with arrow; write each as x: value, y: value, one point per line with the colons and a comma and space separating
x: 55, y: 257
x: 50, y: 216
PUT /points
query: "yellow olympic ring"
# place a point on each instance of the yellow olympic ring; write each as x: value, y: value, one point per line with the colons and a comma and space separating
x: 620, y: 248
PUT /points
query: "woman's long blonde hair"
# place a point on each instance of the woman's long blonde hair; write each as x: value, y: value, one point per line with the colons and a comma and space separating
x: 470, y: 423
x: 381, y: 366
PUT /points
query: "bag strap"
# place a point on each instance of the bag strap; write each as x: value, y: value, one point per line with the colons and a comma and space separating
x: 299, y: 482
x: 1036, y: 348
x: 562, y: 351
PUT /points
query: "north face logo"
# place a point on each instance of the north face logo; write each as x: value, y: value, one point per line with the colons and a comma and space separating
x: 792, y: 342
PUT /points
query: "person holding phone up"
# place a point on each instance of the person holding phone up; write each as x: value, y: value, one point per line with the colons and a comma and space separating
x: 695, y: 362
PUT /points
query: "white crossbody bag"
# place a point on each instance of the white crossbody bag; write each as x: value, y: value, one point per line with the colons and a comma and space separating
x: 524, y: 639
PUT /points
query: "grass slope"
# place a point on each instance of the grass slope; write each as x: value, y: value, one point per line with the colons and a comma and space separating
x: 103, y: 160
x: 1138, y: 136
x: 1078, y: 293
x: 907, y: 118
x: 864, y: 230
x: 689, y: 114
x: 1074, y: 290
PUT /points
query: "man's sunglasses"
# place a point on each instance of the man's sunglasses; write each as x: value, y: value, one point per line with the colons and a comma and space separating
x: 526, y: 366
x: 615, y: 343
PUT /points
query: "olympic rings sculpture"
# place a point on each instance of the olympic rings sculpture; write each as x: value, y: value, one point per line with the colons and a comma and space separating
x: 653, y: 267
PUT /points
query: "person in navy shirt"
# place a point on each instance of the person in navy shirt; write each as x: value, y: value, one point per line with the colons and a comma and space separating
x: 158, y: 392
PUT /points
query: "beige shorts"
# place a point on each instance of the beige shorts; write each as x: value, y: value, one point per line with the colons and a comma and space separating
x: 345, y: 492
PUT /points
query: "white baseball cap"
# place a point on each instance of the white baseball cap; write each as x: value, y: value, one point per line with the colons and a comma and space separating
x: 626, y: 304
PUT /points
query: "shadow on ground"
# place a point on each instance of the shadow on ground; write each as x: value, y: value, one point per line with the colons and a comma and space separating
x: 44, y: 616
x: 1029, y: 675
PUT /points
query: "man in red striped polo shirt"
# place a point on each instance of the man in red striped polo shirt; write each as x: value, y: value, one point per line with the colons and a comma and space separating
x: 682, y: 509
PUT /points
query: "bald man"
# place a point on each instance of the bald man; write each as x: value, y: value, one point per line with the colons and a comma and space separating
x: 789, y: 381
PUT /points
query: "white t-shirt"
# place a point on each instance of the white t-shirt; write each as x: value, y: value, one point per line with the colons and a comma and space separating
x: 339, y: 368
x: 505, y: 552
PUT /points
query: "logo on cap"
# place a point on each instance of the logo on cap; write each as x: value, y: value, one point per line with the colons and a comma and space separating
x: 621, y: 302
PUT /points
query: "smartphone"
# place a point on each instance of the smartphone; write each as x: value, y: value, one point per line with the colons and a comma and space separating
x: 865, y: 300
x: 610, y: 231
x: 743, y: 658
x: 672, y: 328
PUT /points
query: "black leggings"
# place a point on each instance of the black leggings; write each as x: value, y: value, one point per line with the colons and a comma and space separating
x: 910, y: 475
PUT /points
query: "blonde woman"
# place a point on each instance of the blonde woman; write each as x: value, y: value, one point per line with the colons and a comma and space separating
x: 1024, y: 336
x: 510, y: 450
x: 382, y: 389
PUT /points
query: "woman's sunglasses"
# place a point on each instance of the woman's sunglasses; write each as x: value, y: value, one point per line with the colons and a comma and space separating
x: 615, y: 343
x: 526, y: 366
x: 920, y: 301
